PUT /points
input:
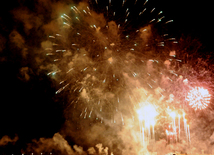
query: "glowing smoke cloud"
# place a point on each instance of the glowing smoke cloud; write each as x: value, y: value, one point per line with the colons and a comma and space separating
x: 107, y: 67
x: 143, y: 65
x: 95, y: 54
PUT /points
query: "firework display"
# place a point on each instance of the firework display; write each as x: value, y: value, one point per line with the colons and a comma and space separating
x: 198, y: 98
x: 102, y: 58
x: 122, y: 77
x: 115, y: 65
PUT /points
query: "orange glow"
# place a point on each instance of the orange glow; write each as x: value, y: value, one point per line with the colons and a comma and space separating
x: 110, y: 60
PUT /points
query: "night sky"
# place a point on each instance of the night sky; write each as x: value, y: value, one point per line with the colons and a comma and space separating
x: 29, y: 108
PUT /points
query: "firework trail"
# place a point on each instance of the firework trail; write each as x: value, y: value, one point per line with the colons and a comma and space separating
x: 108, y: 57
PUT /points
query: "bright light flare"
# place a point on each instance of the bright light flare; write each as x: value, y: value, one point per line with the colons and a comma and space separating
x: 198, y: 98
x: 172, y: 114
x: 148, y: 114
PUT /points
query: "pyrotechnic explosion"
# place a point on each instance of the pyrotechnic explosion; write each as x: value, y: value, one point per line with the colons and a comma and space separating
x: 198, y: 98
x: 101, y: 58
x: 114, y: 64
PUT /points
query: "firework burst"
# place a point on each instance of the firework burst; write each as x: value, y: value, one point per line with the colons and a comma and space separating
x: 106, y: 60
x: 198, y: 98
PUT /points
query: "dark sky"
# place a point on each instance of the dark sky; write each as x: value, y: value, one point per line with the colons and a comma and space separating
x: 29, y: 107
x: 190, y: 17
x: 193, y: 18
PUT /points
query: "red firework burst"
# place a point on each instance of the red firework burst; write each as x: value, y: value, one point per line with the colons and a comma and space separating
x: 198, y: 98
